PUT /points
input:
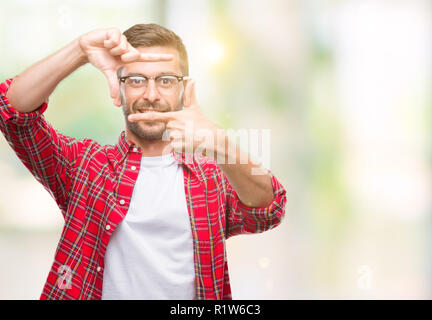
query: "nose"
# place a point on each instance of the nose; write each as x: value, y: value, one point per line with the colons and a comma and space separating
x: 151, y: 94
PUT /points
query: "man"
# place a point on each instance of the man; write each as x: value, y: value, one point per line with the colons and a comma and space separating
x: 148, y: 217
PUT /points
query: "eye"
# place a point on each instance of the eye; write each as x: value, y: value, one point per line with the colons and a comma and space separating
x: 167, y: 81
x: 136, y: 81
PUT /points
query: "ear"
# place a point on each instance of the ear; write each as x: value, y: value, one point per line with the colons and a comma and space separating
x: 189, y: 98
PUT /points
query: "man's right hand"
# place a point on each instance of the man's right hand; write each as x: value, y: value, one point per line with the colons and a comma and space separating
x: 108, y: 49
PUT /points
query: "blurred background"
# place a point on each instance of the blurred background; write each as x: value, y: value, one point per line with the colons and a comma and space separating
x: 344, y: 88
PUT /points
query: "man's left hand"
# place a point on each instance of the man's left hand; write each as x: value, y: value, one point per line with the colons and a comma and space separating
x: 188, y: 130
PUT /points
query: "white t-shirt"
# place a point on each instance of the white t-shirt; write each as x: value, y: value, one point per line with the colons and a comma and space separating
x: 150, y: 253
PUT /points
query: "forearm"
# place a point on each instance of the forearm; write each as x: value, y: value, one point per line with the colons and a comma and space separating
x: 250, y: 181
x: 33, y: 87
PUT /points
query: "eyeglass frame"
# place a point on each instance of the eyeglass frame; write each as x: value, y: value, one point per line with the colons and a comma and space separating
x: 179, y: 78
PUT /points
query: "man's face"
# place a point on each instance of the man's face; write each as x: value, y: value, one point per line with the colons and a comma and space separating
x: 151, y: 99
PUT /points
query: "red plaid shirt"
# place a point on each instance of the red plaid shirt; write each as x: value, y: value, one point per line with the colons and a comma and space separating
x: 92, y: 185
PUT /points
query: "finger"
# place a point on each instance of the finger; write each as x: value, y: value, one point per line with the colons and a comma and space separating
x: 189, y: 99
x: 121, y: 48
x: 177, y: 138
x: 113, y: 84
x: 175, y: 125
x: 175, y: 135
x: 112, y: 38
x: 131, y: 55
x: 154, y: 57
x: 152, y: 116
x: 117, y: 101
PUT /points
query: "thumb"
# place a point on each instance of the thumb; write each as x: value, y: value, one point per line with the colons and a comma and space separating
x: 190, y: 97
x: 113, y: 84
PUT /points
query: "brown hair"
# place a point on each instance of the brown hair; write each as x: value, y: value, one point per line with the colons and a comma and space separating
x: 149, y: 35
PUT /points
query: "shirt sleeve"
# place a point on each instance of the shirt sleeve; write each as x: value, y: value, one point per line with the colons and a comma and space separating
x: 242, y: 219
x: 47, y: 154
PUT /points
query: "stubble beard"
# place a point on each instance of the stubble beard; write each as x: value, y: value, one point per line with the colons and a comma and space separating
x: 149, y: 130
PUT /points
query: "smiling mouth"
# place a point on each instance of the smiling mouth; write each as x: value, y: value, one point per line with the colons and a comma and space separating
x: 144, y: 110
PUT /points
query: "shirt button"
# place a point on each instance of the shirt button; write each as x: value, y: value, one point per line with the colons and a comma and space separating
x: 108, y: 227
x: 133, y: 168
x: 122, y: 202
x: 135, y: 149
x: 98, y: 269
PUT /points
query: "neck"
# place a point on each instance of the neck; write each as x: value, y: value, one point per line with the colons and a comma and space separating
x: 149, y: 148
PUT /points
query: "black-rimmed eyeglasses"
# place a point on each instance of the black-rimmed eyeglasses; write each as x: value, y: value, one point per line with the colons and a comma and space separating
x: 166, y: 84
